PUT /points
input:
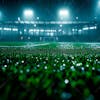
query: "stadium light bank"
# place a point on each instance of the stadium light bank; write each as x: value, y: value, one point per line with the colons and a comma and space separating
x: 28, y: 14
x: 63, y: 14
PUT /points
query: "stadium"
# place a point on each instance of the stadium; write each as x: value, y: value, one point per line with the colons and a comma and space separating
x: 49, y: 49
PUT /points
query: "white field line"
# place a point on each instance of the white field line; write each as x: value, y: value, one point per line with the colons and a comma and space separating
x: 35, y: 45
x: 28, y: 45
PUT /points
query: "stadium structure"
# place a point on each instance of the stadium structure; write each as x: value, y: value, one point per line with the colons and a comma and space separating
x: 49, y: 31
x: 49, y: 56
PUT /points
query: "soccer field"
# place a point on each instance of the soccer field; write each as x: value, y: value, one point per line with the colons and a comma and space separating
x: 67, y: 45
x: 51, y: 71
x: 50, y: 47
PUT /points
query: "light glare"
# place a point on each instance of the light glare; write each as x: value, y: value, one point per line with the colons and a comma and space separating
x: 63, y: 13
x: 99, y: 3
x: 28, y: 13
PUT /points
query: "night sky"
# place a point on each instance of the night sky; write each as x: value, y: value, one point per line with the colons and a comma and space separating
x: 47, y: 9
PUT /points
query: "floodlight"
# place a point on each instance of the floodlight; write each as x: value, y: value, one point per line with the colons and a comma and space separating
x: 73, y: 30
x: 0, y: 15
x: 34, y: 25
x: 28, y: 14
x: 99, y: 3
x: 51, y: 34
x: 1, y: 29
x: 25, y: 30
x: 64, y: 13
x: 85, y: 28
x: 60, y: 25
x: 80, y: 30
x: 37, y: 18
x: 76, y: 18
x: 19, y: 19
x: 14, y: 29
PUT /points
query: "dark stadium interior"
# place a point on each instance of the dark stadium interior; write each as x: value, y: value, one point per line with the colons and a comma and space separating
x: 49, y: 49
x: 83, y: 14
